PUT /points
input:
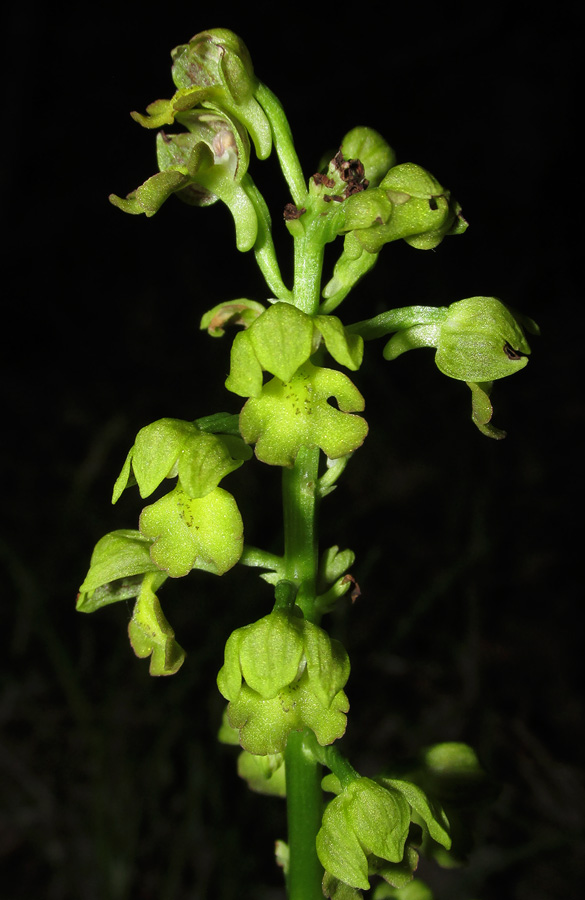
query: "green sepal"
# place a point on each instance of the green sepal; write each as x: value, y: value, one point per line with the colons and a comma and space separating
x: 171, y: 447
x: 281, y: 340
x: 288, y: 415
x: 364, y: 820
x: 327, y: 663
x: 426, y: 811
x: 266, y: 655
x: 264, y: 774
x: 118, y: 565
x: 481, y: 340
x: 235, y: 312
x: 164, y: 112
x: 245, y: 375
x: 202, y: 533
x: 151, y: 635
x: 366, y: 209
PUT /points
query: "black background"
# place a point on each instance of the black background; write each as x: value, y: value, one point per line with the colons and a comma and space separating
x: 468, y: 550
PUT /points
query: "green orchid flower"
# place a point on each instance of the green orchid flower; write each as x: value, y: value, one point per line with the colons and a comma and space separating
x: 284, y: 674
x: 219, y: 61
x: 204, y: 164
x: 368, y: 830
x: 407, y: 204
x: 477, y: 340
x: 169, y: 448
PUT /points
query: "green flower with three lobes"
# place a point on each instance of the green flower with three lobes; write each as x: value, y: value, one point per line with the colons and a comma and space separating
x: 284, y: 674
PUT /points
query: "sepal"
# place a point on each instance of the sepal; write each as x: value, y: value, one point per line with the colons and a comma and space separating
x: 281, y: 340
x: 119, y: 563
x: 172, y: 447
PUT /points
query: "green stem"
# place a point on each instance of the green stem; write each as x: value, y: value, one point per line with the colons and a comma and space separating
x: 308, y: 270
x: 303, y: 773
x: 299, y: 494
x: 283, y: 142
x: 264, y: 249
x: 304, y: 811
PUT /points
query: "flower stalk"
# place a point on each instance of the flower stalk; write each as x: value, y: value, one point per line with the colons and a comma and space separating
x: 283, y: 676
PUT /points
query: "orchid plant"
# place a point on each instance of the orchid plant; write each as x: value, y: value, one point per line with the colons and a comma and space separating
x: 283, y: 677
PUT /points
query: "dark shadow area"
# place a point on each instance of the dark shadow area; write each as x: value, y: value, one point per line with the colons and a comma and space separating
x: 112, y: 784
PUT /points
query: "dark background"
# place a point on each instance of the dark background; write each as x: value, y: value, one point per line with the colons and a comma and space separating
x: 468, y: 550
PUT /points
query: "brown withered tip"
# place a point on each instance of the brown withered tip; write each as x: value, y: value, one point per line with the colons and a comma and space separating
x: 320, y: 178
x: 355, y: 592
x: 292, y: 212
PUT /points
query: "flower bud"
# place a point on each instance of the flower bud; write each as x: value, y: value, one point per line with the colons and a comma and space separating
x: 372, y: 150
x: 423, y: 213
